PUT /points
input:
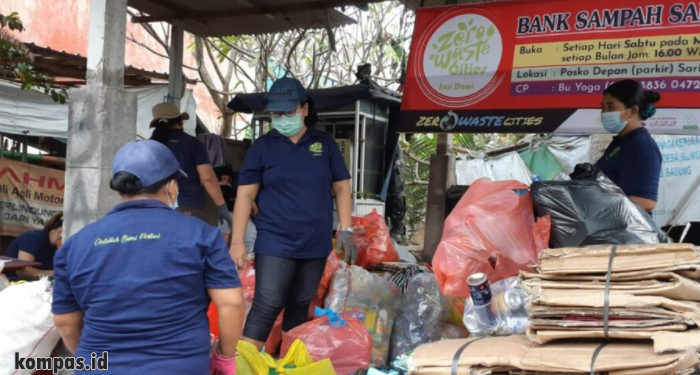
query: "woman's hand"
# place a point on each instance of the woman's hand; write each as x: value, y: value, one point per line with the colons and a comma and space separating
x: 221, y: 365
x: 238, y: 254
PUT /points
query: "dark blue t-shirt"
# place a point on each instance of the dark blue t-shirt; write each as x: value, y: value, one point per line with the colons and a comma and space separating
x: 633, y: 162
x: 190, y: 152
x: 141, y: 275
x: 295, y: 198
x: 35, y: 242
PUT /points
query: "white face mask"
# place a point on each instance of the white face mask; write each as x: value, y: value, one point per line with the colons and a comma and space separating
x: 173, y: 204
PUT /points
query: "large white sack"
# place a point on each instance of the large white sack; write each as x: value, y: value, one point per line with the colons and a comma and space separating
x: 26, y: 324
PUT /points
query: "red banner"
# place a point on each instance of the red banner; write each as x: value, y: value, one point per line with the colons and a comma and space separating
x: 542, y: 66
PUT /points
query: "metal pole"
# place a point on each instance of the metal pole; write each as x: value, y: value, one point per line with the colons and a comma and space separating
x: 355, y: 156
x: 252, y: 129
x: 364, y: 154
x: 175, y: 80
x: 24, y: 150
x: 2, y: 144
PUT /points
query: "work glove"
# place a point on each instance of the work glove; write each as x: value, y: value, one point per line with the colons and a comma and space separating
x: 225, y: 214
x: 346, y: 243
x: 221, y: 365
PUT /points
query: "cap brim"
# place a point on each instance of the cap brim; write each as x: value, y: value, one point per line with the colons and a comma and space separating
x: 184, y: 115
x: 282, y: 105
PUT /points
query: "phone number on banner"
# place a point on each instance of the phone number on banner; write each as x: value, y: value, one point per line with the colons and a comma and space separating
x: 598, y: 86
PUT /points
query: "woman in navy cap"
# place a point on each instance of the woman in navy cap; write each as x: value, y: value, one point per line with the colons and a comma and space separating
x: 137, y: 283
x: 292, y: 173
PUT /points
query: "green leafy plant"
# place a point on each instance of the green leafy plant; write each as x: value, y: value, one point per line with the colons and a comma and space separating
x: 16, y: 61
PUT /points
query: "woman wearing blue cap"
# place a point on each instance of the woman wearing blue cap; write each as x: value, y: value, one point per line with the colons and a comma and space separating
x: 137, y: 283
x: 632, y: 160
x: 292, y: 173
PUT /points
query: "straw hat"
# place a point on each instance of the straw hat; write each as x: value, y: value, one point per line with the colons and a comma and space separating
x: 167, y: 111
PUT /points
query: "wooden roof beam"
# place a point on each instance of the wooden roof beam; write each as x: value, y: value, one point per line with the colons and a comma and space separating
x: 257, y: 10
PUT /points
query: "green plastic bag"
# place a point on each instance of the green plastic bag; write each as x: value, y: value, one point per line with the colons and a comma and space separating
x: 541, y: 162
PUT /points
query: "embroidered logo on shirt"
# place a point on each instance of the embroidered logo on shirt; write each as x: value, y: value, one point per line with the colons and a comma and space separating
x: 613, y: 153
x: 316, y: 149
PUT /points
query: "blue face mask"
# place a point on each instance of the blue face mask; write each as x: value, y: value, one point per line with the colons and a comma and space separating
x: 612, y: 121
x: 173, y: 205
x: 288, y: 126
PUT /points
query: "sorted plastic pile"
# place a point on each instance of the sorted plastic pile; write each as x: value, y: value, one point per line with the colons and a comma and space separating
x: 617, y: 292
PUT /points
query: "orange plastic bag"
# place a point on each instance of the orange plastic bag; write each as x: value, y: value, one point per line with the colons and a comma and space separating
x: 373, y: 240
x: 491, y: 230
x: 213, y: 316
x: 342, y: 339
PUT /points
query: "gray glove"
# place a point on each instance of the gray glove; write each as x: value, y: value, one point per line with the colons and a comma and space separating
x: 346, y: 243
x: 224, y: 214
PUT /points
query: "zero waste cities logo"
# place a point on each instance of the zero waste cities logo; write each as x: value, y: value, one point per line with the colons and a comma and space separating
x: 460, y: 60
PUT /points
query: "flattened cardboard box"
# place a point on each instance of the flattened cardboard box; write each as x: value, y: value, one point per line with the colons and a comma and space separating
x: 562, y: 357
x: 628, y: 258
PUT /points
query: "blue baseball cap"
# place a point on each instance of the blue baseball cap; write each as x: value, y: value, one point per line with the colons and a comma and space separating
x: 285, y: 95
x: 150, y: 161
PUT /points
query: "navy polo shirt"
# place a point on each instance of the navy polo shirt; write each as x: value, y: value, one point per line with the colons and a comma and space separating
x: 295, y: 198
x: 141, y: 275
x: 633, y: 162
x: 35, y: 242
x: 190, y: 152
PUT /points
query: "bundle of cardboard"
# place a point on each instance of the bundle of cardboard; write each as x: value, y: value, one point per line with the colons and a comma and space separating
x: 517, y: 354
x: 652, y: 294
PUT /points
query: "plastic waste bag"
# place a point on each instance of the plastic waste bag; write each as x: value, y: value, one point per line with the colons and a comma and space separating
x: 340, y: 338
x: 373, y: 240
x: 27, y: 328
x: 332, y: 265
x: 368, y: 298
x: 541, y: 161
x: 492, y: 230
x: 452, y: 331
x: 297, y: 362
x: 507, y: 305
x: 418, y: 321
x: 593, y: 212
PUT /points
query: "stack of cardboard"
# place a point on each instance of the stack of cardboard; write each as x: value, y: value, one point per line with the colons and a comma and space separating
x: 652, y: 294
x: 516, y: 354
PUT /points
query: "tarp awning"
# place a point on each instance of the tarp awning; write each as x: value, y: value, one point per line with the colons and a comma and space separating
x: 35, y: 114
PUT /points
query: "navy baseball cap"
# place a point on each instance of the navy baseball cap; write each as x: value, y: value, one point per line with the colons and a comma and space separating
x: 150, y: 161
x: 285, y: 95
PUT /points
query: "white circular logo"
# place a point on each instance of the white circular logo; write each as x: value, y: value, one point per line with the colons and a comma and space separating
x: 461, y: 60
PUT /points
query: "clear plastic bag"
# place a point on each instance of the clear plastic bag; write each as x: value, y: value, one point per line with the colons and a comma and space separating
x: 370, y: 299
x: 493, y: 231
x: 340, y: 338
x: 417, y: 323
x: 507, y: 305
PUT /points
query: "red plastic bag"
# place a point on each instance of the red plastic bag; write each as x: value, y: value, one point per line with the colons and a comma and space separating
x: 342, y: 339
x: 373, y: 240
x: 492, y: 230
x: 332, y: 265
x: 213, y: 316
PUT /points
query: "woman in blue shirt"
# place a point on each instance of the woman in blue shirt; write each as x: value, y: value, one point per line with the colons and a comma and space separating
x: 137, y: 283
x: 632, y: 160
x: 37, y: 246
x: 194, y: 161
x: 292, y: 173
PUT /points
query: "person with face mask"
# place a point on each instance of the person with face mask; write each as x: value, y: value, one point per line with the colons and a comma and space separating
x: 632, y: 160
x: 137, y: 283
x: 192, y: 156
x: 292, y: 172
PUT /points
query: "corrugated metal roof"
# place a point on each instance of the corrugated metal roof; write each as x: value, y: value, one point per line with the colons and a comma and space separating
x: 246, y: 17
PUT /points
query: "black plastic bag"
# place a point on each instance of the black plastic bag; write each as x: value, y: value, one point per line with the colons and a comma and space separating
x: 593, y: 212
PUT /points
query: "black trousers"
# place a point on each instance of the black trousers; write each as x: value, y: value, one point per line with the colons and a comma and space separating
x: 282, y: 283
